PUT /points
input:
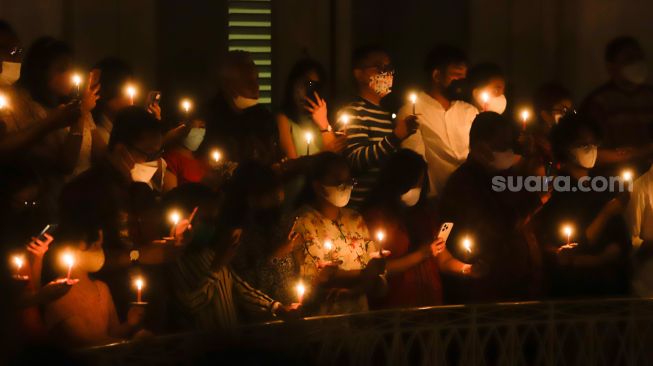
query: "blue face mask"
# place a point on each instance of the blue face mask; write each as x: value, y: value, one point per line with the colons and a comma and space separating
x: 194, y: 138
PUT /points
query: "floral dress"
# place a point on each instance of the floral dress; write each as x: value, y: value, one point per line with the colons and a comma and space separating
x: 350, y: 244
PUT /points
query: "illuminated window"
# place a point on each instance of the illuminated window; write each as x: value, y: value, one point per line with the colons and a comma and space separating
x: 250, y: 29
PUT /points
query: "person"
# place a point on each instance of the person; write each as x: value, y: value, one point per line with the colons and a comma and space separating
x: 265, y: 259
x: 86, y: 315
x: 115, y: 74
x: 486, y: 88
x: 302, y: 113
x: 397, y: 207
x: 339, y: 261
x: 372, y: 136
x: 595, y: 263
x: 236, y: 123
x: 11, y: 55
x: 444, y: 118
x: 184, y: 164
x: 490, y: 225
x: 210, y: 294
x: 551, y: 102
x: 638, y: 215
x: 622, y: 107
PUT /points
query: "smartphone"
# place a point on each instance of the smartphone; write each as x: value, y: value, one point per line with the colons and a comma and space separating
x: 313, y: 87
x: 48, y: 229
x: 445, y: 230
x: 153, y: 97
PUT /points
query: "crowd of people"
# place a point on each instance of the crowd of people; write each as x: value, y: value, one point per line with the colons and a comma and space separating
x: 119, y: 222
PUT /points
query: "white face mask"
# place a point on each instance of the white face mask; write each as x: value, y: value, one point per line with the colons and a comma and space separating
x: 143, y: 172
x: 381, y: 83
x: 411, y: 197
x: 10, y: 72
x: 243, y: 103
x: 494, y: 104
x: 586, y: 156
x: 337, y: 196
x: 90, y: 261
x: 194, y: 138
x: 636, y: 73
x: 502, y: 160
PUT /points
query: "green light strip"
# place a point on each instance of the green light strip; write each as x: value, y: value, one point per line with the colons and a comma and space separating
x: 236, y: 23
x: 251, y: 49
x: 254, y: 37
x: 249, y: 11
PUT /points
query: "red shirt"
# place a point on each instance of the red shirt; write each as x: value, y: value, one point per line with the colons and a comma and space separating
x: 420, y: 285
x: 188, y: 169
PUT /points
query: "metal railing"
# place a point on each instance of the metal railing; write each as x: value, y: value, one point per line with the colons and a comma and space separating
x: 585, y: 332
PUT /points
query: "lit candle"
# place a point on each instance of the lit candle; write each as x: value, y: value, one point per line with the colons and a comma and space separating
x: 485, y: 98
x: 131, y: 92
x: 18, y: 262
x: 525, y: 115
x: 309, y: 138
x: 174, y: 217
x: 345, y: 121
x: 380, y: 237
x: 216, y: 156
x: 77, y: 81
x: 69, y: 260
x: 328, y: 247
x: 627, y: 175
x: 394, y: 115
x: 413, y: 99
x: 467, y: 245
x: 139, y: 284
x: 3, y: 102
x: 186, y: 106
x: 568, y: 230
x: 300, y: 289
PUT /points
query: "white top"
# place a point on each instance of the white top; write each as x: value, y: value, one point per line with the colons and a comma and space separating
x: 639, y: 216
x: 442, y: 138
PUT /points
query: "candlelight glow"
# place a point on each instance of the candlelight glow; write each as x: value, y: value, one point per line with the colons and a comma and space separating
x: 68, y: 259
x: 467, y: 245
x: 627, y: 175
x: 77, y: 80
x: 216, y: 156
x: 3, y: 101
x: 328, y: 245
x: 309, y: 137
x: 186, y: 105
x: 485, y: 97
x: 394, y: 115
x: 175, y: 217
x: 139, y: 283
x: 18, y: 262
x: 345, y: 119
x: 525, y: 115
x: 567, y: 230
x: 413, y: 98
x: 380, y: 235
x: 300, y: 290
x: 131, y: 91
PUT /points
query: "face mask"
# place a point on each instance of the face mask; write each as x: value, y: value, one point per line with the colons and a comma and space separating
x: 90, y: 261
x: 143, y: 172
x: 455, y: 89
x: 502, y: 159
x: 636, y: 73
x: 243, y: 103
x: 497, y: 104
x: 411, y: 197
x: 194, y: 138
x: 337, y: 196
x: 586, y: 156
x: 10, y: 72
x: 381, y: 83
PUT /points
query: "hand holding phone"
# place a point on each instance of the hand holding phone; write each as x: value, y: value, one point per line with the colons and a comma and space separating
x: 445, y: 230
x: 153, y: 97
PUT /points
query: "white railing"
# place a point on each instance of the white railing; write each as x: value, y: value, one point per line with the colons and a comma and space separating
x: 587, y: 332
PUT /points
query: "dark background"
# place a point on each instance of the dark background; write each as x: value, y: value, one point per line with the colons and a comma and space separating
x: 174, y: 44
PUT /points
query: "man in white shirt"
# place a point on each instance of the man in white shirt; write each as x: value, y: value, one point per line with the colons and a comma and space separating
x: 639, y: 216
x: 445, y: 120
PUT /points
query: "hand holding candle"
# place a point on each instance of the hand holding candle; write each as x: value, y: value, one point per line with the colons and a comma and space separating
x: 77, y: 81
x: 130, y: 90
x: 567, y: 230
x: 69, y: 260
x: 525, y: 115
x: 139, y: 284
x: 19, y: 262
x: 300, y: 289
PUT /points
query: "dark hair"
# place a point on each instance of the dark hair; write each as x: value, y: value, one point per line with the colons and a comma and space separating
x: 618, y: 45
x: 130, y: 126
x: 297, y: 72
x: 567, y: 131
x: 38, y: 60
x: 113, y: 76
x: 441, y: 56
x: 5, y: 27
x: 320, y: 166
x: 485, y: 126
x: 231, y: 64
x: 547, y: 95
x: 479, y: 75
x: 400, y: 173
x: 361, y: 54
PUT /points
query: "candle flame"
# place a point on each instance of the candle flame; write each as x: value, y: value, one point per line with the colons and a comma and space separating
x: 485, y: 97
x: 77, y: 79
x: 300, y: 289
x: 131, y: 91
x: 68, y: 259
x: 328, y: 245
x: 186, y: 105
x: 19, y: 261
x: 394, y: 115
x: 216, y: 155
x: 139, y: 283
x: 413, y: 98
x: 380, y: 235
x: 3, y: 101
x: 175, y: 217
x: 525, y: 115
x: 309, y: 137
x: 627, y: 175
x: 467, y: 244
x: 345, y: 119
x: 568, y: 230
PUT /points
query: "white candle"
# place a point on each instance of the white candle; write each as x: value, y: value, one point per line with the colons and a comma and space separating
x: 175, y: 217
x: 525, y: 115
x: 485, y: 98
x: 3, y: 102
x: 77, y: 81
x: 300, y: 289
x: 69, y: 260
x: 131, y: 92
x: 568, y: 230
x: 344, y: 119
x: 18, y: 262
x: 328, y: 247
x: 139, y: 283
x: 216, y: 156
x: 186, y: 105
x: 309, y: 138
x: 627, y: 175
x: 413, y: 99
x: 467, y: 245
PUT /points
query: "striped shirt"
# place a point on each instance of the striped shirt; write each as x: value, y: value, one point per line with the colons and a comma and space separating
x: 211, y: 297
x: 370, y: 141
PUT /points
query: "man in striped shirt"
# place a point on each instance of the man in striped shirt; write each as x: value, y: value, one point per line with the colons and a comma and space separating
x: 371, y: 134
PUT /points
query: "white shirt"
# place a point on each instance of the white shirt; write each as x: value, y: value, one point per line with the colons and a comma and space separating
x: 639, y: 216
x: 442, y: 138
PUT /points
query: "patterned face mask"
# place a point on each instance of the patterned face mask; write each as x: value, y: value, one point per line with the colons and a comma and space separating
x: 381, y: 83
